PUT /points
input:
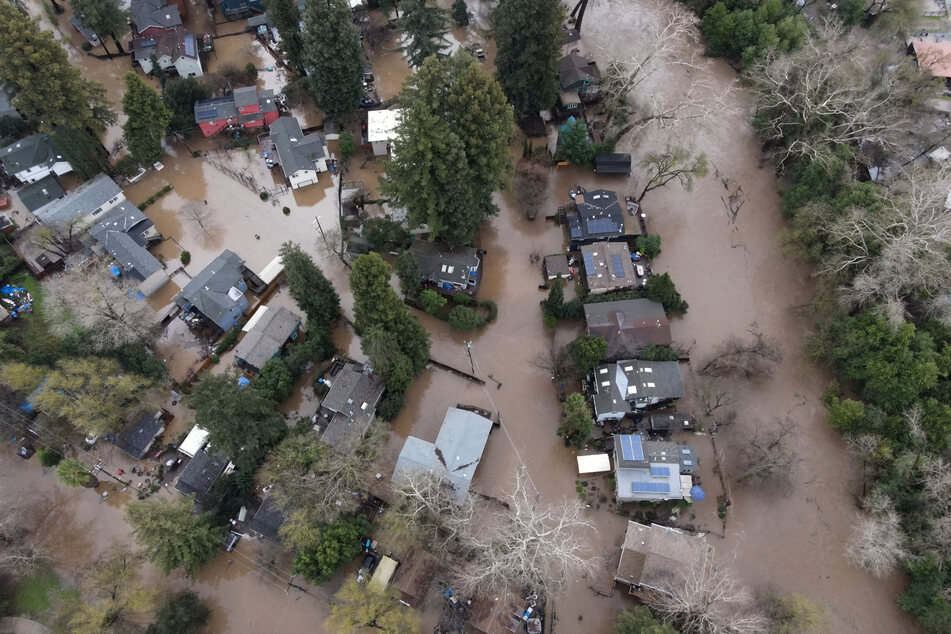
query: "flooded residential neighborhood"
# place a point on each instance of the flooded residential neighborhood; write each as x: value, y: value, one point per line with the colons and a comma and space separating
x: 725, y: 242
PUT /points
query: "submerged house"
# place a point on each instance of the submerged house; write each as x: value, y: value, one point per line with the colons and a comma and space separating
x: 201, y: 472
x: 125, y: 233
x: 301, y: 157
x: 652, y: 471
x: 245, y: 108
x: 596, y: 217
x: 32, y: 158
x: 267, y: 332
x: 618, y: 389
x: 139, y: 435
x: 447, y: 270
x: 268, y: 519
x: 454, y: 456
x: 215, y: 297
x: 655, y: 558
x: 608, y: 267
x: 628, y: 325
x: 579, y: 75
x: 348, y: 408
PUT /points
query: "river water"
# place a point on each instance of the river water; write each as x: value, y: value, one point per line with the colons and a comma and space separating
x: 733, y: 275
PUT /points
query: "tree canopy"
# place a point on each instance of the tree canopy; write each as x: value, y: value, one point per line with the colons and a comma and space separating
x: 576, y: 421
x: 338, y: 544
x: 732, y: 29
x: 104, y: 18
x: 172, y: 535
x: 148, y: 119
x: 312, y: 291
x: 48, y: 87
x: 424, y: 26
x: 238, y: 420
x: 179, y: 96
x: 183, y: 613
x: 452, y: 151
x: 333, y: 53
x: 356, y: 607
x: 286, y: 17
x: 529, y: 38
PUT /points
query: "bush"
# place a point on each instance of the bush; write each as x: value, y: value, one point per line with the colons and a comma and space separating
x: 649, y: 245
x: 264, y: 195
x: 661, y: 288
x: 126, y: 166
x: 492, y: 308
x: 465, y: 318
x: 276, y: 380
x: 185, y: 258
x: 391, y: 405
x: 346, y: 145
x: 658, y: 353
x: 251, y: 70
x: 431, y: 301
x: 460, y: 13
x: 230, y: 338
x: 574, y: 146
x: 214, y: 358
x: 338, y: 544
x: 462, y: 299
x: 287, y: 211
x: 385, y: 235
x: 49, y: 457
x: 572, y: 310
x: 86, y: 46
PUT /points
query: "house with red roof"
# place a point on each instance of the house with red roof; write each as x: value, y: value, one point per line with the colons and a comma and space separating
x: 246, y: 108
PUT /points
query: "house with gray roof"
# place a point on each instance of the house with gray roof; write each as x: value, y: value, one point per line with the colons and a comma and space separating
x: 628, y: 325
x: 301, y: 157
x: 124, y: 233
x: 139, y: 435
x: 456, y: 453
x: 445, y: 269
x: 41, y: 193
x: 266, y: 334
x: 151, y: 17
x: 200, y: 473
x: 83, y: 205
x: 348, y: 408
x: 215, y: 297
x: 173, y: 51
x: 257, y: 109
x: 596, y: 217
x: 656, y: 558
x: 32, y: 158
x: 618, y: 389
x: 647, y: 470
x: 579, y: 74
x: 268, y: 519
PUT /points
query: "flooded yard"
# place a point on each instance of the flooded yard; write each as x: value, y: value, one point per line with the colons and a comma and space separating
x: 733, y: 274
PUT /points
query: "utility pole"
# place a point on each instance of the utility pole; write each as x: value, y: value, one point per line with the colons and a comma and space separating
x: 469, y: 350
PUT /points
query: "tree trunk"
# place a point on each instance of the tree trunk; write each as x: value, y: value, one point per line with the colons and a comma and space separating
x: 108, y: 52
x: 584, y: 5
x: 118, y: 45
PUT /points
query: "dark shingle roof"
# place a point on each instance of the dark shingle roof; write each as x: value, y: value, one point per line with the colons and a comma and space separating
x: 268, y: 519
x: 574, y: 69
x: 36, y: 149
x: 114, y: 231
x: 599, y: 216
x: 41, y: 193
x: 208, y: 291
x: 267, y: 337
x: 149, y: 13
x: 199, y: 474
x: 296, y: 151
x: 353, y: 396
x: 439, y: 262
x: 137, y: 437
x: 628, y: 325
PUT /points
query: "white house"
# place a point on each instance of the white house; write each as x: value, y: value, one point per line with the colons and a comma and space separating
x: 33, y: 158
x: 85, y: 204
x: 176, y: 50
x: 381, y: 129
x: 301, y: 157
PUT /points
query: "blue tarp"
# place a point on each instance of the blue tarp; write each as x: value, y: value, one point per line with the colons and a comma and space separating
x: 697, y: 494
x: 114, y: 270
x: 243, y: 382
x: 27, y: 405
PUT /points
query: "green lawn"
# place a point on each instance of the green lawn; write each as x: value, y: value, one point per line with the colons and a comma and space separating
x: 34, y: 592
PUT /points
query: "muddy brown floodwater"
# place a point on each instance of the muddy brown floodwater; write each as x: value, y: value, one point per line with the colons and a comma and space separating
x: 733, y: 275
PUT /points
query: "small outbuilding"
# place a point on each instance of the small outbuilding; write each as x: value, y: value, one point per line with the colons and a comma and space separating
x: 267, y: 332
x: 557, y: 266
x: 201, y: 472
x: 381, y: 130
x: 612, y: 164
x: 268, y: 519
x: 594, y: 463
x: 194, y: 442
x: 139, y: 435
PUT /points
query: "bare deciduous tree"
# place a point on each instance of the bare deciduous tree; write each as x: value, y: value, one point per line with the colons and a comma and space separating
x: 531, y: 183
x: 867, y: 448
x: 828, y: 93
x: 898, y: 252
x: 199, y: 215
x: 529, y: 544
x: 708, y: 600
x: 713, y: 394
x: 750, y: 359
x: 877, y: 543
x: 18, y: 553
x: 556, y: 361
x: 672, y: 164
x: 426, y: 509
x: 669, y: 42
x: 87, y: 296
x: 765, y: 457
x: 61, y: 240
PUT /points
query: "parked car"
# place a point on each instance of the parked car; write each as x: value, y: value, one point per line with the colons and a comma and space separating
x: 370, y: 562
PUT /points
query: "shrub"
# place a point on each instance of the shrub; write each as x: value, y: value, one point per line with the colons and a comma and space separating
x: 391, y: 405
x: 460, y: 13
x: 658, y: 353
x: 86, y: 46
x: 287, y: 211
x: 549, y: 321
x: 462, y: 299
x: 346, y: 145
x: 492, y: 308
x: 384, y: 234
x: 431, y: 301
x: 275, y: 380
x: 465, y: 318
x: 251, y: 70
x: 228, y: 340
x: 49, y: 457
x: 661, y: 288
x: 126, y: 166
x: 185, y: 258
x: 649, y: 245
x: 264, y: 195
x: 215, y: 358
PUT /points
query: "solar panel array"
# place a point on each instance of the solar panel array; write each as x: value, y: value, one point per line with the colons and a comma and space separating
x: 575, y: 232
x: 601, y: 225
x: 618, y: 267
x: 631, y: 448
x: 205, y: 114
x: 660, y: 471
x: 588, y: 263
x: 649, y: 487
x: 190, y: 45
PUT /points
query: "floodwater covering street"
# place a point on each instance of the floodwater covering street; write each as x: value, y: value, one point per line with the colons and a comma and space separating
x: 732, y: 273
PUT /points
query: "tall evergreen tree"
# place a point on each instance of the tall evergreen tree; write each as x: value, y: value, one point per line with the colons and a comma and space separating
x: 104, y: 18
x: 285, y: 15
x: 48, y: 88
x: 424, y: 26
x: 529, y: 36
x: 333, y: 56
x: 148, y: 119
x: 84, y: 151
x: 312, y: 291
x: 179, y: 96
x: 452, y: 152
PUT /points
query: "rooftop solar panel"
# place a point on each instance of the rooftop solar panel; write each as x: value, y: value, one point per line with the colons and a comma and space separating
x: 601, y: 225
x: 208, y: 113
x: 575, y: 232
x: 660, y: 471
x: 618, y: 267
x: 631, y: 448
x: 189, y: 45
x: 588, y: 263
x: 649, y: 487
x: 638, y: 448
